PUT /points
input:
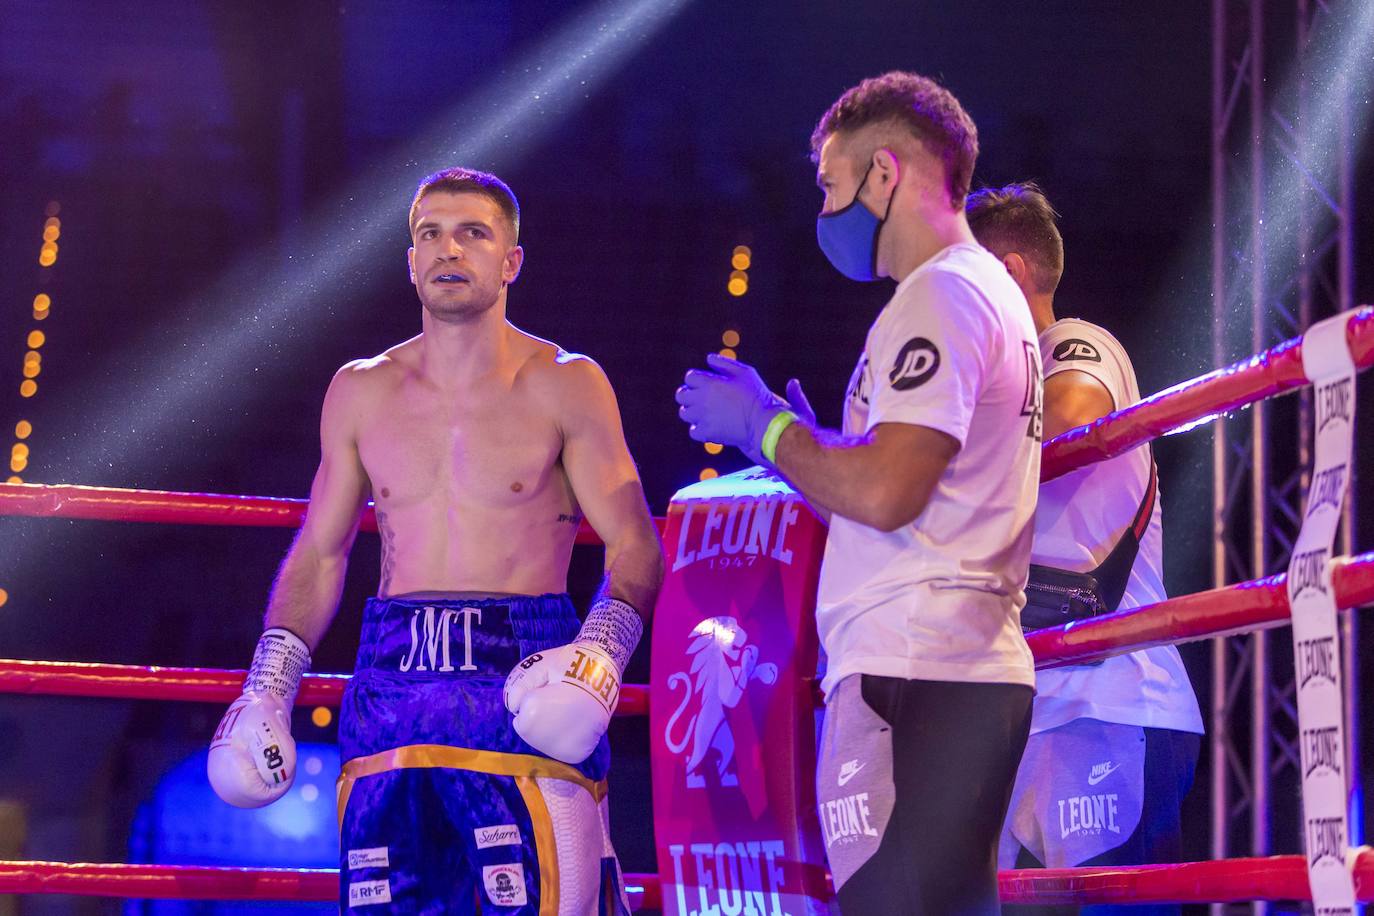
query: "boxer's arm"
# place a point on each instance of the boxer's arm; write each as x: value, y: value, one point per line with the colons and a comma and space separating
x: 1074, y: 399
x: 882, y: 479
x: 305, y: 595
x: 606, y: 484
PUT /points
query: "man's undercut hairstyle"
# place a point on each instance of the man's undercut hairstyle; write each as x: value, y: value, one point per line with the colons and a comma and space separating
x: 920, y: 107
x: 470, y: 181
x: 1019, y: 218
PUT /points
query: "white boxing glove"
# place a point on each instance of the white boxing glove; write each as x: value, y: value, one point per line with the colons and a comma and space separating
x: 562, y: 698
x: 252, y: 756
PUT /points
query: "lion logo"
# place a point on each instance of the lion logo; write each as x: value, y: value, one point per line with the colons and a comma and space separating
x: 723, y: 664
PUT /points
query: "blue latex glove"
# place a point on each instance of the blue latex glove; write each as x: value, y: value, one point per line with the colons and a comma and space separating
x: 730, y: 405
x: 800, y: 405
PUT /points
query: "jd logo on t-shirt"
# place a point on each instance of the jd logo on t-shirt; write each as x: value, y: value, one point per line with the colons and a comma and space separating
x: 1073, y: 348
x: 915, y: 364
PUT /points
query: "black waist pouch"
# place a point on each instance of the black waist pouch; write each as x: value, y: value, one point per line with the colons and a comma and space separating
x: 1055, y: 596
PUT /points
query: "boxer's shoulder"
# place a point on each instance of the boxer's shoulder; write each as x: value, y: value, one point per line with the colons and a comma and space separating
x: 360, y: 379
x: 559, y: 377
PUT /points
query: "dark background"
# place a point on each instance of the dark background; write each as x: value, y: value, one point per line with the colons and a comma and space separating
x: 233, y: 181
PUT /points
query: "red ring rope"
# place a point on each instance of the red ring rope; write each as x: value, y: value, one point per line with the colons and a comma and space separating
x: 166, y: 507
x: 198, y: 882
x: 1255, y: 605
x: 1274, y: 371
x: 1273, y: 878
x: 1263, y: 375
x: 198, y: 685
x: 1224, y: 881
x: 1233, y: 609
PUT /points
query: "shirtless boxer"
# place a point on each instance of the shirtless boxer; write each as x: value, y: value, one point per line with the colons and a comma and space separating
x: 483, y: 447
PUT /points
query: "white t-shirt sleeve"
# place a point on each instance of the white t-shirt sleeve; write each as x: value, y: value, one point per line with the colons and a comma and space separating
x: 931, y: 355
x: 1079, y: 346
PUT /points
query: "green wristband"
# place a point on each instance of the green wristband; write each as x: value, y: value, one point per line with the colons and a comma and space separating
x: 773, y: 433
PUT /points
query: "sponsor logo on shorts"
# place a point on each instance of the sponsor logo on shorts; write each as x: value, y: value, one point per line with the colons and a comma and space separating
x: 1073, y: 348
x: 500, y: 835
x: 377, y: 857
x: 430, y: 640
x: 916, y: 363
x: 366, y: 893
x: 849, y: 769
x: 505, y: 884
x: 1101, y: 771
x: 1088, y: 815
x: 845, y: 820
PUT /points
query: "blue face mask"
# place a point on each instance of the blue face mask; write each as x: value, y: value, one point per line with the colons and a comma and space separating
x: 849, y: 237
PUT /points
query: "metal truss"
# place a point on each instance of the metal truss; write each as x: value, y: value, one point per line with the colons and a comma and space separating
x: 1273, y: 274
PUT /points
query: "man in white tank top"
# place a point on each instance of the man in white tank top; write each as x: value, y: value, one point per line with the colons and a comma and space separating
x: 1113, y: 745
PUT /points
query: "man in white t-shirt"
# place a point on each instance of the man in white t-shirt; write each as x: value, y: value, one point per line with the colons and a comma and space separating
x: 930, y: 489
x: 1113, y: 745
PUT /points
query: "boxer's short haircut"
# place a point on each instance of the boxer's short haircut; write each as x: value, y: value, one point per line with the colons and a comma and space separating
x: 470, y: 181
x: 1018, y: 218
x: 921, y: 106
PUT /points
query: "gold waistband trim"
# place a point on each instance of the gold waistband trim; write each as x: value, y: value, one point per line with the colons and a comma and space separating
x: 421, y: 756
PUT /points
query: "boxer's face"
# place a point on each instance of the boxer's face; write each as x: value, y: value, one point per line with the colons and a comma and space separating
x: 463, y: 254
x: 838, y: 174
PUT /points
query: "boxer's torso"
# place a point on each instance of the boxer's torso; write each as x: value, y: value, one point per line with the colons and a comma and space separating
x: 470, y: 490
